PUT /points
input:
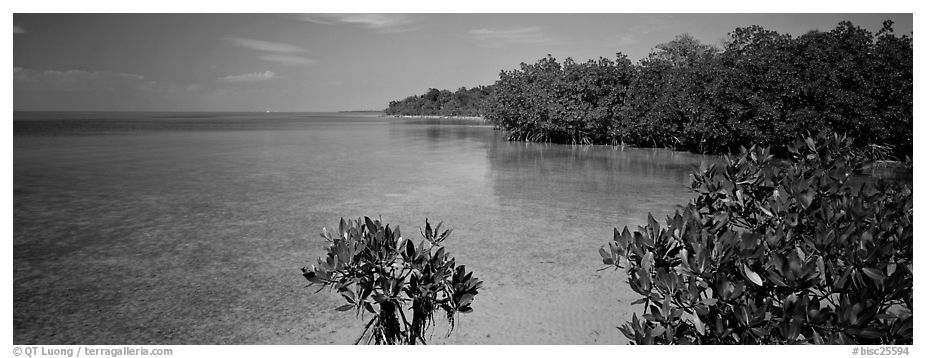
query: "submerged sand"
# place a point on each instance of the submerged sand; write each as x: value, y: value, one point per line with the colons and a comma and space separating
x: 197, y: 237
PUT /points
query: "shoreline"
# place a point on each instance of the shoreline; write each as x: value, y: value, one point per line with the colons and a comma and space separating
x: 473, y: 118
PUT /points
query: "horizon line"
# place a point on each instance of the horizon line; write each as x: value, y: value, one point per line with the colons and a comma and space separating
x: 197, y: 111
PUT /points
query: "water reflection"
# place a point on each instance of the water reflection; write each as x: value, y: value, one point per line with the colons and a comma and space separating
x: 561, y: 181
x: 439, y: 135
x: 595, y: 179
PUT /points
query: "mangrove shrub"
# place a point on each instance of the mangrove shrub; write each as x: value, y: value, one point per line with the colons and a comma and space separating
x: 434, y: 102
x: 379, y: 272
x: 761, y: 87
x: 566, y: 103
x: 776, y: 251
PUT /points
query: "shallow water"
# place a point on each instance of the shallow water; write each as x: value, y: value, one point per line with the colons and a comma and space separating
x: 147, y: 228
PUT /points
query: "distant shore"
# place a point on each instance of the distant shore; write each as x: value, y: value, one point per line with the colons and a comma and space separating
x: 475, y: 118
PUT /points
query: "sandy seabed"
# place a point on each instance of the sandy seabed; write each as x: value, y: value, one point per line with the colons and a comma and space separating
x: 198, y: 237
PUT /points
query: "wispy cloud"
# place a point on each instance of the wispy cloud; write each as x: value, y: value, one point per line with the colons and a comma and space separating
x: 266, y: 46
x: 250, y: 77
x: 649, y: 23
x: 18, y: 30
x: 287, y: 59
x: 377, y: 22
x: 81, y: 80
x: 278, y: 52
x: 532, y: 35
x: 623, y: 40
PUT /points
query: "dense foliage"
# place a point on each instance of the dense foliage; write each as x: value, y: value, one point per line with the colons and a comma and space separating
x: 762, y: 88
x: 569, y: 103
x: 462, y: 102
x: 377, y: 271
x: 776, y: 251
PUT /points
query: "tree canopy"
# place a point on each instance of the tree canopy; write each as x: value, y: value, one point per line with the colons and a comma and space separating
x: 434, y: 102
x: 760, y: 87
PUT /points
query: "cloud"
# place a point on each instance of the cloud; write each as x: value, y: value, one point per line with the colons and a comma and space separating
x: 81, y: 80
x: 266, y: 46
x: 500, y: 37
x: 18, y: 30
x: 288, y: 60
x: 377, y: 22
x: 623, y: 40
x: 274, y: 51
x: 324, y: 19
x: 250, y: 77
x: 649, y: 23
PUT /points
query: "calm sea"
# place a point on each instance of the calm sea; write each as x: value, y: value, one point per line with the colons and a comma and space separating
x: 145, y: 228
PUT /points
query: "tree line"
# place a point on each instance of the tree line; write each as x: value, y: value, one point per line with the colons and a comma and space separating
x: 434, y: 102
x: 759, y: 87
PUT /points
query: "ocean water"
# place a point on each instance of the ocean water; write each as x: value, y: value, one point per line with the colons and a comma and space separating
x: 191, y: 228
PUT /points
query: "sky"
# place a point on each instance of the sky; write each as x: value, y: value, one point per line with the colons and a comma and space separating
x: 329, y: 62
